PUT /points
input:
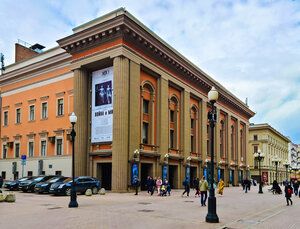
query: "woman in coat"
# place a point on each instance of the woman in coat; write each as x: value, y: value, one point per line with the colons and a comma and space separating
x: 288, y: 193
x: 221, y: 185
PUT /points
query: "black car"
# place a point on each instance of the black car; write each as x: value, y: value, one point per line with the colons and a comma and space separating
x: 82, y: 184
x: 44, y: 186
x: 14, y: 185
x: 28, y: 186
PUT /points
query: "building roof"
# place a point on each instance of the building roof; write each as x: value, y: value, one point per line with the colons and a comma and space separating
x: 266, y: 126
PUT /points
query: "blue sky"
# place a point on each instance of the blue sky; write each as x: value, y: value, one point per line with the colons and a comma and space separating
x: 251, y: 47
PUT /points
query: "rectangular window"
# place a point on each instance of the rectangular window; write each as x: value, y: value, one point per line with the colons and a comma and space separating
x: 31, y: 149
x: 43, y: 148
x: 4, y: 151
x: 255, y: 149
x: 192, y: 143
x: 255, y: 137
x: 31, y: 113
x: 18, y: 115
x: 192, y: 123
x: 3, y: 174
x: 60, y: 107
x: 145, y: 106
x: 44, y: 110
x: 17, y: 150
x: 172, y: 139
x: 59, y: 147
x: 5, y: 118
x: 29, y: 173
x: 145, y: 132
x: 58, y: 173
x: 172, y: 116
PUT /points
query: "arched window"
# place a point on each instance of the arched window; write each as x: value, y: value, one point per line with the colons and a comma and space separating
x: 232, y: 134
x: 147, y: 113
x: 173, y: 122
x: 242, y: 145
x: 194, y: 130
x: 222, y: 139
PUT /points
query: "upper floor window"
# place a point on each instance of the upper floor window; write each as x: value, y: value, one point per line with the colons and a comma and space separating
x: 5, y: 118
x: 58, y: 146
x: 222, y: 139
x: 172, y: 116
x: 232, y: 143
x: 31, y: 149
x: 18, y: 115
x: 44, y: 110
x: 172, y: 139
x: 17, y: 150
x: 173, y: 122
x: 31, y: 112
x: 145, y: 106
x: 43, y: 148
x: 255, y: 149
x: 255, y: 137
x: 4, y: 151
x: 145, y: 133
x: 60, y: 107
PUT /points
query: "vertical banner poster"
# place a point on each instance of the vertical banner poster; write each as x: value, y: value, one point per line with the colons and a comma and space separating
x: 102, y: 105
x: 165, y: 172
x: 205, y: 174
x: 240, y: 176
x: 265, y: 177
x: 188, y: 173
x: 135, y: 171
x: 230, y: 176
x: 219, y: 174
x: 248, y: 177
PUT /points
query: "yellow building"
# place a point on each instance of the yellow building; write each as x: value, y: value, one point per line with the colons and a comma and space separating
x: 274, y: 149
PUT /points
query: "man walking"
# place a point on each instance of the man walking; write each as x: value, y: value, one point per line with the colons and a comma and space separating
x: 203, y: 187
x: 296, y: 187
x: 186, y: 185
x: 136, y: 184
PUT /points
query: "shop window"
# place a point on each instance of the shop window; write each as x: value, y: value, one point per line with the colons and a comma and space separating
x: 31, y: 112
x: 5, y: 118
x: 18, y: 115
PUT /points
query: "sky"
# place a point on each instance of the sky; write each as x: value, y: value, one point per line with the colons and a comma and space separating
x: 251, y: 47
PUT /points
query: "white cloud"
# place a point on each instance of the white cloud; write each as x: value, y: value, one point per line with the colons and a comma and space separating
x: 251, y: 47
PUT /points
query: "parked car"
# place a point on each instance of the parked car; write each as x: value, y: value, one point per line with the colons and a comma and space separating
x: 82, y: 184
x: 44, y: 186
x: 14, y: 185
x: 28, y: 186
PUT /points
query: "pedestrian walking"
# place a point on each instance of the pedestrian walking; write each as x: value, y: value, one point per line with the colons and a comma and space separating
x: 296, y: 187
x: 247, y: 184
x: 186, y: 185
x: 196, y: 186
x: 203, y: 187
x: 153, y: 184
x: 136, y: 184
x: 168, y: 187
x: 148, y: 184
x: 288, y: 193
x: 158, y: 185
x: 221, y: 185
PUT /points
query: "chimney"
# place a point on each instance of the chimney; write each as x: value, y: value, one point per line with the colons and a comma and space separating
x: 24, y: 50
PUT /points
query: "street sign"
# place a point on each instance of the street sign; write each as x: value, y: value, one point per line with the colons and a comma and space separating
x: 23, y: 162
x: 23, y: 157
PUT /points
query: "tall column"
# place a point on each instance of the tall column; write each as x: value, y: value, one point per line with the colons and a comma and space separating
x: 185, y: 131
x: 81, y: 108
x: 203, y: 130
x: 120, y: 144
x: 162, y: 121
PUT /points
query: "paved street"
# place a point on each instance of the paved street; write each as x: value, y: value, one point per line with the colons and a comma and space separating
x: 235, y: 210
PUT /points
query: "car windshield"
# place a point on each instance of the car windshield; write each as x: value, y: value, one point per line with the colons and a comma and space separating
x: 24, y: 179
x: 68, y: 180
x: 38, y: 179
x: 54, y: 179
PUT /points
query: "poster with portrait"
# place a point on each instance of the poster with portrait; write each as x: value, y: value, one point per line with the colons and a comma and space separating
x: 135, y: 171
x: 265, y: 177
x: 165, y: 172
x: 102, y: 105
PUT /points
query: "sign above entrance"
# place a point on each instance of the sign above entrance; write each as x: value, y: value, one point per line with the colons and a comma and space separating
x: 102, y: 105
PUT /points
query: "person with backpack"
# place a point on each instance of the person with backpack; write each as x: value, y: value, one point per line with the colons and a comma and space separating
x: 288, y: 193
x: 136, y: 183
x: 186, y: 185
x: 203, y: 187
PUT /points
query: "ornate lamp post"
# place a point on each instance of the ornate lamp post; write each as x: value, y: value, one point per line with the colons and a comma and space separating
x: 211, y: 216
x: 276, y: 160
x: 259, y: 156
x: 73, y: 202
x: 286, y: 165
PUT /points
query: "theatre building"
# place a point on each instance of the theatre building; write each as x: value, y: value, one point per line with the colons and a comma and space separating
x: 141, y: 108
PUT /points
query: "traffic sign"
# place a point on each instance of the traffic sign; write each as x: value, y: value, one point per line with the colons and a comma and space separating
x: 23, y: 157
x: 23, y: 162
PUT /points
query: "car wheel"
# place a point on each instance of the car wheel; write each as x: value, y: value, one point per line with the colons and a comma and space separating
x: 68, y: 191
x: 95, y: 190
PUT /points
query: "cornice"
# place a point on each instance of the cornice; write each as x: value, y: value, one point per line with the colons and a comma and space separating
x: 124, y: 27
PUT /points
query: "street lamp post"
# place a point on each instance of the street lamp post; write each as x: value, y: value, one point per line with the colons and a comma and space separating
x: 73, y: 202
x: 260, y: 157
x: 276, y: 160
x: 286, y: 165
x: 211, y: 216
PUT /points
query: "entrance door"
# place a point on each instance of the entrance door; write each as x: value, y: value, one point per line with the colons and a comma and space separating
x: 104, y: 175
x: 173, y: 176
x: 146, y: 170
x: 193, y: 176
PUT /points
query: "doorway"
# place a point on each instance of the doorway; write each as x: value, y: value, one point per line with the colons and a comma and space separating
x: 173, y: 176
x: 146, y: 170
x: 104, y: 175
x: 193, y: 175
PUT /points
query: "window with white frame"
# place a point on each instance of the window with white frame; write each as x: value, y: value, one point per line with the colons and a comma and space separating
x: 31, y: 112
x: 4, y: 151
x: 43, y: 148
x: 60, y: 107
x: 5, y: 118
x: 59, y: 146
x: 44, y: 110
x: 18, y: 115
x: 30, y: 149
x: 17, y: 150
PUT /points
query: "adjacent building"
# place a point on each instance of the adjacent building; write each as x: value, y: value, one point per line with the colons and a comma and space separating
x: 294, y: 158
x: 274, y: 148
x: 141, y: 107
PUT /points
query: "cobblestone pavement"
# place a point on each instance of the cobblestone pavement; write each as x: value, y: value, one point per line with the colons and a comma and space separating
x: 235, y: 209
